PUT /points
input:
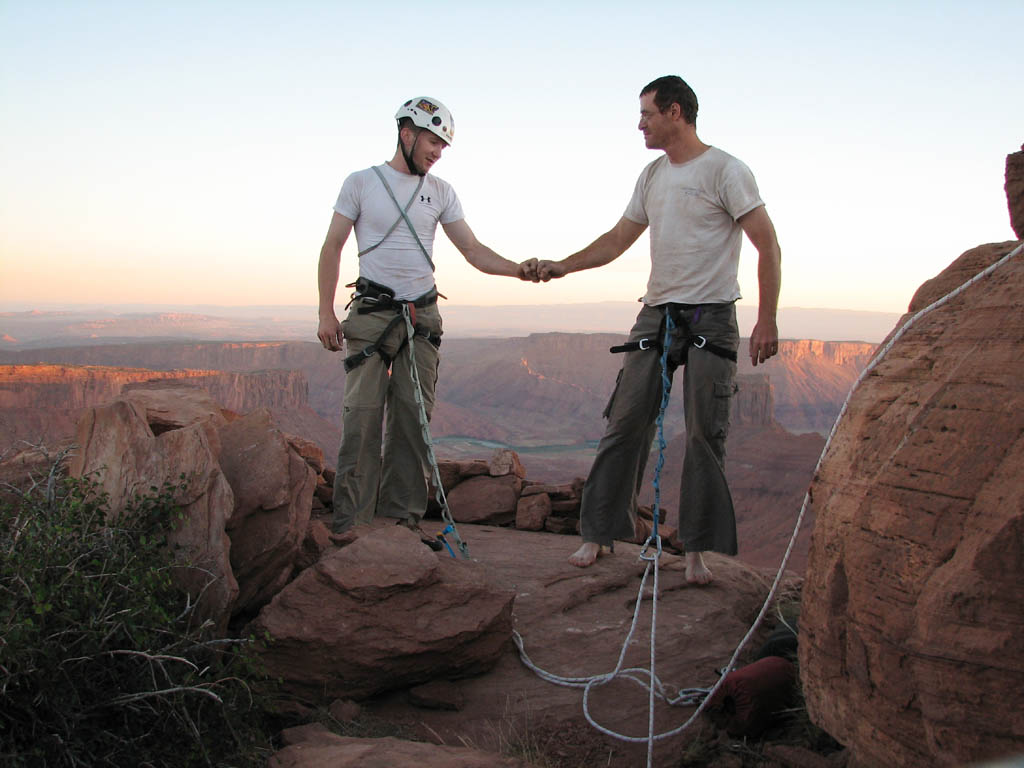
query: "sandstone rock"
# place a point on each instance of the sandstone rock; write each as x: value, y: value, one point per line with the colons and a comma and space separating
x: 384, y: 612
x: 173, y: 404
x: 345, y: 710
x: 505, y: 461
x: 566, y: 508
x: 118, y: 448
x: 437, y: 694
x: 273, y: 489
x: 451, y: 474
x: 324, y: 493
x: 311, y: 453
x: 563, y: 525
x: 969, y: 264
x: 532, y: 511
x: 911, y: 641
x: 326, y: 750
x: 314, y: 544
x: 555, y: 492
x: 1015, y: 190
x: 473, y: 467
x: 790, y: 756
x: 485, y: 500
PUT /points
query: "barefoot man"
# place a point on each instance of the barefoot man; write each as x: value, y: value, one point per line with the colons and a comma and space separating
x: 698, y: 202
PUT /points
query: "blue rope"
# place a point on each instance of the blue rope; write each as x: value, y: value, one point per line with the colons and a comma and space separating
x: 666, y: 388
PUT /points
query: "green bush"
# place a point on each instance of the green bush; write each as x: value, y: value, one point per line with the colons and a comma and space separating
x: 102, y: 660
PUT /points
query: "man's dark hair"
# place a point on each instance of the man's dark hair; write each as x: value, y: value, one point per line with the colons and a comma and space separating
x: 406, y: 122
x: 672, y: 89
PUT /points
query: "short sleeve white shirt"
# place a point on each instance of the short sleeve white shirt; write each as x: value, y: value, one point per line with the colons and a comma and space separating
x: 692, y: 210
x: 398, y: 262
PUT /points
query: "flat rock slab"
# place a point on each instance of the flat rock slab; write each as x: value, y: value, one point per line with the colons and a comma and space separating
x: 573, y: 623
x: 313, y: 747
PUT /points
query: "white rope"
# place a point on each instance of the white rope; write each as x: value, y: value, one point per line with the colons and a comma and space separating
x: 688, y: 696
x: 440, y: 496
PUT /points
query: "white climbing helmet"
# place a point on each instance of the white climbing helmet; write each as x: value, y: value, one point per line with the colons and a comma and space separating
x: 431, y: 114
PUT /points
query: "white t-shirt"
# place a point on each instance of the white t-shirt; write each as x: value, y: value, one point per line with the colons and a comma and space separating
x: 695, y: 240
x: 398, y: 263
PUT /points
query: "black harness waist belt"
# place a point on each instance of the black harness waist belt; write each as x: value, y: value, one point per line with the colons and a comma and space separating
x: 682, y: 341
x: 386, y: 303
x: 374, y: 297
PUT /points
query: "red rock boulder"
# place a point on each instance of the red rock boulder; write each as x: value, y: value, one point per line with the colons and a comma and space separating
x: 316, y: 747
x: 1015, y: 190
x: 485, y: 499
x: 273, y: 488
x: 148, y: 438
x: 912, y: 623
x: 381, y: 613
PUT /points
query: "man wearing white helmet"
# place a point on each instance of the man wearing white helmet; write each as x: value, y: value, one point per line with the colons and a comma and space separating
x: 395, y: 209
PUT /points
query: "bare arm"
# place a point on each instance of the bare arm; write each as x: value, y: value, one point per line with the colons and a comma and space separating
x: 329, y: 330
x: 483, y: 258
x: 764, y: 339
x: 604, y: 250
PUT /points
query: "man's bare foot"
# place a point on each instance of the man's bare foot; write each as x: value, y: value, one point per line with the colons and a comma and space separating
x: 586, y: 555
x: 696, y: 571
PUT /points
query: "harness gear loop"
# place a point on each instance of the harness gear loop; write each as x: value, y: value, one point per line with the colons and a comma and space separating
x: 435, y: 473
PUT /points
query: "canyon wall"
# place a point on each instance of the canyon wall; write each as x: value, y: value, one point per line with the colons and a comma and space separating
x: 548, y: 387
x: 41, y: 403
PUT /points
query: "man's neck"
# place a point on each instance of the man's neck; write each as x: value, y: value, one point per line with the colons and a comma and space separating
x: 686, y: 148
x: 398, y: 163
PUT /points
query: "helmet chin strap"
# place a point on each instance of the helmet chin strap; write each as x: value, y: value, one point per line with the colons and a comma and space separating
x: 408, y: 155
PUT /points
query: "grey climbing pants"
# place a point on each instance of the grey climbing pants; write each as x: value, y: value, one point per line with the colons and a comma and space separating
x: 706, y: 517
x: 392, y: 484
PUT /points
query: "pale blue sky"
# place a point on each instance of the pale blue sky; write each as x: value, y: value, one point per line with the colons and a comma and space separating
x: 191, y: 154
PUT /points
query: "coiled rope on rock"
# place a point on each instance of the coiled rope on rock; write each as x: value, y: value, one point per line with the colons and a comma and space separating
x: 701, y: 696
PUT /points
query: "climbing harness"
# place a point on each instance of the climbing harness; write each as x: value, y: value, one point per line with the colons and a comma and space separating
x: 679, y: 340
x: 380, y: 299
x: 701, y: 696
x: 374, y: 297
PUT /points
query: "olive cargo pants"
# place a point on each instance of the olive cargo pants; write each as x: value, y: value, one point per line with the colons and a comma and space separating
x: 706, y: 516
x: 393, y: 484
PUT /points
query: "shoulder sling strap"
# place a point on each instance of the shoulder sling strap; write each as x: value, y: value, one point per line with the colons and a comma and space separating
x: 402, y: 214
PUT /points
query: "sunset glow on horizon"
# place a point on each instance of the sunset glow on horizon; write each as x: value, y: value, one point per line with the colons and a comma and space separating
x: 189, y: 155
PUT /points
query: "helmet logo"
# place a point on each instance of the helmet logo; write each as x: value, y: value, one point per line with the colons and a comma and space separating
x: 427, y: 106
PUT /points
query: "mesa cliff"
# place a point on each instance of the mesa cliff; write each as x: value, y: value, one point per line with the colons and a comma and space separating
x: 42, y: 403
x: 547, y: 387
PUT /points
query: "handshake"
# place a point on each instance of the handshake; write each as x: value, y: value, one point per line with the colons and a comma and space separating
x: 540, y: 271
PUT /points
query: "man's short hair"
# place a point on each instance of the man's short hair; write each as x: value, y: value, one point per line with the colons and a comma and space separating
x: 672, y: 89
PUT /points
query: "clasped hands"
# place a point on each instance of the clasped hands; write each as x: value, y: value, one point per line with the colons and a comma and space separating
x: 540, y: 271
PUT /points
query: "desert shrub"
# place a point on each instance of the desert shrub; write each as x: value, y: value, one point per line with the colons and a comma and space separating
x: 102, y: 660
